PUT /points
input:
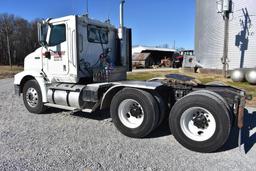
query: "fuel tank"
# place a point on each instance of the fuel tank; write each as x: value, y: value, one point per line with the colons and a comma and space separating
x: 66, y: 95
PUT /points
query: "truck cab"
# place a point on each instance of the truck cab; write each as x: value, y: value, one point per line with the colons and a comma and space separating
x: 77, y: 48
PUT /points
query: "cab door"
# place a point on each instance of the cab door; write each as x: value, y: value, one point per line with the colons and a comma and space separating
x: 56, y: 54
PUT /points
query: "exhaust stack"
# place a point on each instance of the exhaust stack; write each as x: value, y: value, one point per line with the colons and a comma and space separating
x: 121, y: 19
x: 122, y: 13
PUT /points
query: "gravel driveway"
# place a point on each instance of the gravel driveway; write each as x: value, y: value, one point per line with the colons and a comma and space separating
x: 60, y: 141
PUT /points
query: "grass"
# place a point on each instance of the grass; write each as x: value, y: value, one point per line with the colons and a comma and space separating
x: 204, y: 78
x: 8, y: 72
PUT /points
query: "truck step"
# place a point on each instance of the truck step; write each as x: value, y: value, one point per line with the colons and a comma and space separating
x: 60, y: 106
x: 67, y: 107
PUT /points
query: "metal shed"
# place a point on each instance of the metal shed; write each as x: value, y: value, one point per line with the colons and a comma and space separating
x: 144, y: 57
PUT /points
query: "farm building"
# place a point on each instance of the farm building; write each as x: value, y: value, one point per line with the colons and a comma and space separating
x: 209, y: 34
x: 145, y: 57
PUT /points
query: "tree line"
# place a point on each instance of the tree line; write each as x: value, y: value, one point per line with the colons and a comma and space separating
x: 18, y: 38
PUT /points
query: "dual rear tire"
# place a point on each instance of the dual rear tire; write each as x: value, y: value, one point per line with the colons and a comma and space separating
x: 201, y: 121
x: 135, y: 112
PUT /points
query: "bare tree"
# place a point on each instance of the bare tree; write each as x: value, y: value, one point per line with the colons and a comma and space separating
x: 7, y: 27
x: 18, y: 38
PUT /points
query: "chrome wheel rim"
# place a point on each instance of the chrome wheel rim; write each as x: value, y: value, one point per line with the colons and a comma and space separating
x: 130, y: 113
x: 32, y: 97
x: 198, y: 124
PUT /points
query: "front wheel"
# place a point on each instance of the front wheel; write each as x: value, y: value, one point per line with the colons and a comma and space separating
x: 32, y: 97
x: 200, y: 122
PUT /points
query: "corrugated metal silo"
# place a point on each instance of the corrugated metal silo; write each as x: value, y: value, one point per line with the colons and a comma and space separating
x: 209, y: 36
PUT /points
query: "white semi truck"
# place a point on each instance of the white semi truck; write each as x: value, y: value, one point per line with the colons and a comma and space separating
x: 82, y: 65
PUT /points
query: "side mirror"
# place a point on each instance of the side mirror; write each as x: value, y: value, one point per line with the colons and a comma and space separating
x: 42, y: 31
x: 47, y: 55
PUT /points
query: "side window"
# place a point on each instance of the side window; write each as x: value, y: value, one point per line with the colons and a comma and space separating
x: 58, y: 34
x: 93, y: 35
x: 97, y: 34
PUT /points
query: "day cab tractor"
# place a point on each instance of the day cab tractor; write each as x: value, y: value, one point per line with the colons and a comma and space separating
x: 82, y: 65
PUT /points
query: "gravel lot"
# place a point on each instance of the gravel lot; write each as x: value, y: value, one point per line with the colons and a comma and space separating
x: 60, y: 141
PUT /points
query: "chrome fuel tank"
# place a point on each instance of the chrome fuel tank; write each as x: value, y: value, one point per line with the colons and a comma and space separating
x: 66, y: 95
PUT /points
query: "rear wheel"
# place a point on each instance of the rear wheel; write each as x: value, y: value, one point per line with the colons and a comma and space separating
x: 32, y: 97
x: 162, y: 106
x: 218, y: 98
x: 134, y: 112
x: 200, y: 122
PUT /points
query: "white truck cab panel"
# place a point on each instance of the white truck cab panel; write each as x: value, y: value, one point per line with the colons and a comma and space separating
x: 61, y: 66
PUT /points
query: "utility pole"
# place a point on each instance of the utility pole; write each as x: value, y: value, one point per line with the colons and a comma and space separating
x: 225, y: 48
x: 224, y: 7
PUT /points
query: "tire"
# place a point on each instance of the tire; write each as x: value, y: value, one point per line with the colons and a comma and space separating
x: 121, y: 112
x: 32, y: 97
x: 218, y: 98
x: 162, y: 106
x: 187, y: 132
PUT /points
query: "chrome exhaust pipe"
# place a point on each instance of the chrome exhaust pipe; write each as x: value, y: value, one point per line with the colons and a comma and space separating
x: 121, y: 19
x: 121, y: 12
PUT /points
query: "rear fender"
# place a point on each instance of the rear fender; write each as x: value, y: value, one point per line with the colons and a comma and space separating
x: 111, y: 92
x: 108, y: 96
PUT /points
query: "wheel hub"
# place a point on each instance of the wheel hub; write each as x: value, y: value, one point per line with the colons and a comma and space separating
x: 200, y: 121
x: 135, y: 111
x: 198, y: 124
x: 131, y: 113
x: 32, y: 97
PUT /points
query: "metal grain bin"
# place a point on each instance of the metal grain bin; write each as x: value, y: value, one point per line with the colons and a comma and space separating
x: 209, y: 34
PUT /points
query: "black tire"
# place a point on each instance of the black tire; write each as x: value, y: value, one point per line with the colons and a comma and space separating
x: 162, y: 106
x: 218, y: 111
x: 218, y: 98
x: 39, y: 107
x: 149, y: 106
